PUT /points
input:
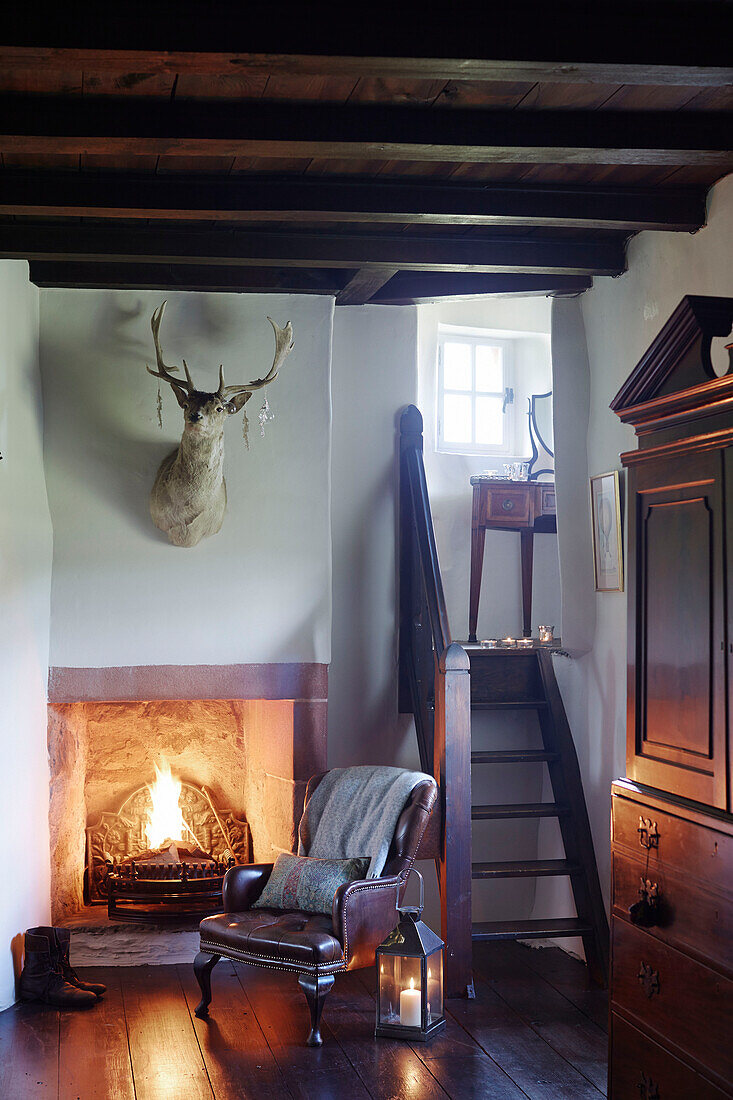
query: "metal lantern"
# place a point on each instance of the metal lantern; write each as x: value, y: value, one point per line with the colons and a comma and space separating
x: 410, y: 978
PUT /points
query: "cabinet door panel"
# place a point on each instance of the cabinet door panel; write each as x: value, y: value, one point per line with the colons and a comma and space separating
x: 677, y: 537
x: 676, y: 627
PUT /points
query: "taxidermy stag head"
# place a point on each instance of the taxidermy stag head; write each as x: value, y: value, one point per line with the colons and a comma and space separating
x: 189, y: 496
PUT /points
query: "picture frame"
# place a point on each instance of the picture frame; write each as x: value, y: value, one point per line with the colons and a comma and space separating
x: 605, y: 510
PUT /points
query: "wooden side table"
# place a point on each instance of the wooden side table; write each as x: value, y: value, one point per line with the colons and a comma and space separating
x: 524, y: 506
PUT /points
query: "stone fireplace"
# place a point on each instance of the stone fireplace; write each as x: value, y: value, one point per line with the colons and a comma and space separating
x: 248, y: 737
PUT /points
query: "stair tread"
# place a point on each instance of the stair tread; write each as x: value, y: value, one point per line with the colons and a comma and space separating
x: 529, y: 929
x: 513, y: 756
x: 519, y: 809
x: 524, y: 868
x: 512, y: 704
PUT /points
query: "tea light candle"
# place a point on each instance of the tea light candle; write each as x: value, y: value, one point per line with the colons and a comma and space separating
x: 525, y: 643
x: 508, y: 642
x: 410, y: 1006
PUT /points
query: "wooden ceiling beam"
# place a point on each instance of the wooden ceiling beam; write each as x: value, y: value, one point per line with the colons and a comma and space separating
x: 47, y: 125
x: 265, y: 199
x: 239, y: 248
x: 626, y: 42
x: 566, y: 71
x: 403, y: 288
x: 133, y: 276
x: 412, y: 288
x: 364, y: 284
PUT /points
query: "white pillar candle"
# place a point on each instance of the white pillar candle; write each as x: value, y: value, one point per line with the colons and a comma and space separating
x: 410, y: 1006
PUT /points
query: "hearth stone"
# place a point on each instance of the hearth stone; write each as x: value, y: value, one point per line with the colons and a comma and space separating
x: 97, y: 941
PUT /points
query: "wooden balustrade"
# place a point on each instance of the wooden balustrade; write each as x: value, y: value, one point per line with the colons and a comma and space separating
x: 434, y: 686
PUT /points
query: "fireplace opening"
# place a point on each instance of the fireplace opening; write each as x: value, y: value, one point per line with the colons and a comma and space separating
x: 163, y: 854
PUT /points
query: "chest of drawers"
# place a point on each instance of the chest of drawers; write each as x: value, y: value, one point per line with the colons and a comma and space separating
x: 671, y: 947
x: 672, y: 938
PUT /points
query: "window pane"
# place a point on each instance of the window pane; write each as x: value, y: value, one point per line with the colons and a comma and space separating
x: 489, y: 421
x: 456, y: 418
x: 457, y: 366
x: 489, y: 372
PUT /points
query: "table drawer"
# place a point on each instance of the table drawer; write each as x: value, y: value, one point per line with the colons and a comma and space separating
x: 687, y: 915
x: 508, y: 506
x: 639, y: 1067
x: 688, y: 1005
x: 698, y: 851
x: 547, y: 505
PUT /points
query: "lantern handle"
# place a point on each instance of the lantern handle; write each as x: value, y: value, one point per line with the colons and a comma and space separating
x: 414, y: 870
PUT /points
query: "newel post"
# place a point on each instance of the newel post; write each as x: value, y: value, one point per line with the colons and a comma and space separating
x: 411, y: 425
x: 453, y: 774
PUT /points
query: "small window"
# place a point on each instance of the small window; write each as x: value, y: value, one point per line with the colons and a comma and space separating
x: 474, y: 394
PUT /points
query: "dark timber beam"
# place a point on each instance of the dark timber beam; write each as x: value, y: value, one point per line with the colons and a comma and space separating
x: 131, y: 276
x: 195, y: 128
x: 264, y: 199
x: 410, y: 287
x: 566, y: 71
x: 239, y: 248
x: 364, y: 284
x: 653, y: 42
x: 405, y: 288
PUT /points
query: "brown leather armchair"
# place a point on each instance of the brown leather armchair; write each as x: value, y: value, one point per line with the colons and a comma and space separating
x: 312, y: 945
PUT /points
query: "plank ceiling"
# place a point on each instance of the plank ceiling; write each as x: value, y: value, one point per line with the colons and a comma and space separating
x: 391, y: 160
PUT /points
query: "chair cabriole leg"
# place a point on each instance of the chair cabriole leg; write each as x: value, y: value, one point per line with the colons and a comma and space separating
x: 316, y: 990
x: 203, y: 964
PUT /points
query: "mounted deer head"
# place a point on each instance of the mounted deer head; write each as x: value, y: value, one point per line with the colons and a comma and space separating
x: 188, y: 498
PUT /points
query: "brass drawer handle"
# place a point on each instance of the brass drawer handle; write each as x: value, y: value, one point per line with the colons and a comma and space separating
x: 507, y: 504
x: 648, y: 979
x: 645, y: 911
x: 648, y: 833
x: 648, y: 1089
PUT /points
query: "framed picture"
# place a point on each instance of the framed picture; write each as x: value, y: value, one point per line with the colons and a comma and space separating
x: 605, y: 510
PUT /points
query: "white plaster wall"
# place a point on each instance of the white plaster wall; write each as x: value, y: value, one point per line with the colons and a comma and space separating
x: 259, y: 590
x: 25, y: 582
x: 621, y: 318
x: 374, y: 376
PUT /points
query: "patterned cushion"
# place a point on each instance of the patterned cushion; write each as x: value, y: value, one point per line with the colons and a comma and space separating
x: 300, y: 882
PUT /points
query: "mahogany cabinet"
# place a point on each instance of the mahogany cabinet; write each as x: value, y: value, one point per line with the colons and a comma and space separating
x: 672, y: 825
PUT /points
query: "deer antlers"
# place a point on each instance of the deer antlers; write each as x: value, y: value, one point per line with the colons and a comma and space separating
x: 283, y: 347
x: 163, y: 371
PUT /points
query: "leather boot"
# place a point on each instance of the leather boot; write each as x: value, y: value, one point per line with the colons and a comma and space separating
x: 41, y: 978
x: 63, y: 942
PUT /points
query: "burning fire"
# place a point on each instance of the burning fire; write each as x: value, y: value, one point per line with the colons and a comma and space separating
x: 165, y: 820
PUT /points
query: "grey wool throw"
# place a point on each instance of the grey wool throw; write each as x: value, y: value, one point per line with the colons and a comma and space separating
x: 354, y: 812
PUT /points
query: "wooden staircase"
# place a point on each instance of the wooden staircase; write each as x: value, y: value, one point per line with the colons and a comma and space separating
x: 525, y: 680
x: 441, y: 683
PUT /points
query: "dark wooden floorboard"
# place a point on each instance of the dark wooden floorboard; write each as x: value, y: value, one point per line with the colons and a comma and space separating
x: 103, y: 1070
x: 389, y: 1069
x: 459, y: 1064
x: 534, y: 1032
x: 29, y: 1052
x: 238, y: 1060
x: 568, y: 976
x: 524, y: 1055
x: 165, y: 1054
x: 546, y: 1011
x: 322, y: 1073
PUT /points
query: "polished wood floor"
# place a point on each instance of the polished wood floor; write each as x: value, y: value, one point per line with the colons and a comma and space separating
x: 535, y: 1030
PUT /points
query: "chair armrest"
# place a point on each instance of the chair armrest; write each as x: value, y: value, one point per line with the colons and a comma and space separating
x: 243, y: 885
x: 364, y: 912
